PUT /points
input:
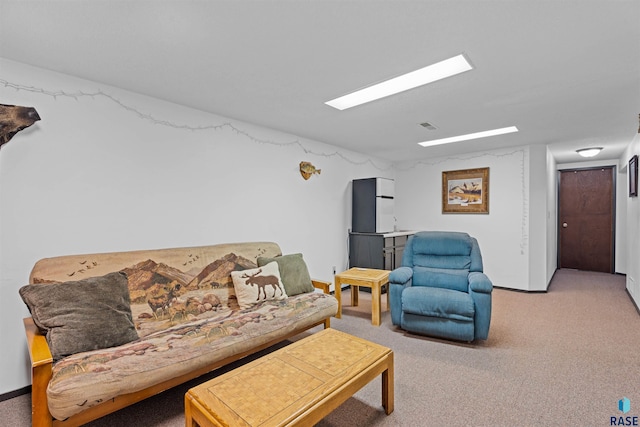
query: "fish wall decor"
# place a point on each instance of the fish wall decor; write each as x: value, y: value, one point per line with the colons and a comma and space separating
x: 307, y: 169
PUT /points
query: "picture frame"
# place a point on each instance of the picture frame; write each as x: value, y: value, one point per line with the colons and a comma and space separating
x: 465, y: 191
x: 633, y: 176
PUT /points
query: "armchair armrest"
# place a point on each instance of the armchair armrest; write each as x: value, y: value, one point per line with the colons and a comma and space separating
x: 480, y: 288
x: 399, y: 279
x: 321, y: 284
x: 401, y: 276
x: 479, y: 282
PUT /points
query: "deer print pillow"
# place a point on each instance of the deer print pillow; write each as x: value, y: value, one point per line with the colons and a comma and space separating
x: 258, y: 284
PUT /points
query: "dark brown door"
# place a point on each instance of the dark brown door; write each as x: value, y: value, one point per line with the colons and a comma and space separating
x: 586, y: 213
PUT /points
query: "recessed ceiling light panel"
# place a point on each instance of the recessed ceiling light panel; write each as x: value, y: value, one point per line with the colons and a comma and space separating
x: 476, y: 135
x: 440, y: 70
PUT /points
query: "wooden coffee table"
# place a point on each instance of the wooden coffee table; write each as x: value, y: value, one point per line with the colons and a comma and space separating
x: 367, y: 277
x: 296, y: 385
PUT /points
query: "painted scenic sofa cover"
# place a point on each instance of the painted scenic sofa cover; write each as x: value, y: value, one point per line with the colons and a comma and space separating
x: 183, y: 311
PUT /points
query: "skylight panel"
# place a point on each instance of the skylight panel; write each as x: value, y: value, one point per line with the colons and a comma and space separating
x: 469, y: 136
x: 440, y: 70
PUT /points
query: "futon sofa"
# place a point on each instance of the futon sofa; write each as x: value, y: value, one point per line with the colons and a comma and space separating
x: 108, y: 330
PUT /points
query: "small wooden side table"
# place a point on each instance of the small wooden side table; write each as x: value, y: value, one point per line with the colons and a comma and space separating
x: 369, y: 278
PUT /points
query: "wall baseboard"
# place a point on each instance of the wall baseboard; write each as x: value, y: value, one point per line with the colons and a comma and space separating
x: 15, y: 393
x: 632, y: 300
x: 524, y: 291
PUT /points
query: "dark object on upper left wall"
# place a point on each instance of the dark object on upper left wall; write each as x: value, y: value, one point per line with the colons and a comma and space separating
x: 14, y: 118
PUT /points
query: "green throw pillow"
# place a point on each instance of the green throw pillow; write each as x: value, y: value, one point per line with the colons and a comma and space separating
x: 293, y: 272
x: 86, y: 315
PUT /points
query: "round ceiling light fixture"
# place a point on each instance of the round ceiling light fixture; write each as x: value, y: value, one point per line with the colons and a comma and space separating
x: 589, y: 152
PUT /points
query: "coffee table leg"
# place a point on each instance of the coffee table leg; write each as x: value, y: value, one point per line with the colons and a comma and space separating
x: 387, y: 386
x: 188, y: 417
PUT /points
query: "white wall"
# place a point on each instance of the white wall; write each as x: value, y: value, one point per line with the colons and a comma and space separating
x: 552, y: 217
x: 503, y: 234
x: 110, y: 170
x: 633, y: 227
x: 539, y: 275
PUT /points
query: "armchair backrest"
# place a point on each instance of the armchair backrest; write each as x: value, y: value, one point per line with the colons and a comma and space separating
x: 442, y: 259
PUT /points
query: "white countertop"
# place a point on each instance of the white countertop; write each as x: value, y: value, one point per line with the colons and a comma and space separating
x: 398, y: 233
x: 391, y: 233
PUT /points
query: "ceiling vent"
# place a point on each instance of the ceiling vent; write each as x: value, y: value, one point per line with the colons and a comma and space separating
x: 428, y: 125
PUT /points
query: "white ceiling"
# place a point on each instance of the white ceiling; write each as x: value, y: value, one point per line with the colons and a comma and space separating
x: 565, y: 72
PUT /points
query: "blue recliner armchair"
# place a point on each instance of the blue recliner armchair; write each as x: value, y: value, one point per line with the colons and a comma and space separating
x: 441, y: 289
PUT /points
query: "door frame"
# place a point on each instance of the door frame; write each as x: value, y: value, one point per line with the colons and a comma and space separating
x: 614, y: 196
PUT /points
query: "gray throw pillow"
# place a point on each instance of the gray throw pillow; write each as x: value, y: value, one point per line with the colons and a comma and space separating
x: 84, y: 315
x: 293, y: 272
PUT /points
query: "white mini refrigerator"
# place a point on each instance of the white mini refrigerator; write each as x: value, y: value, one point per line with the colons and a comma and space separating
x: 372, y: 205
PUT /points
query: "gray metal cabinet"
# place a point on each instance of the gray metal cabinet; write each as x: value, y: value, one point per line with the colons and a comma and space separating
x: 373, y: 250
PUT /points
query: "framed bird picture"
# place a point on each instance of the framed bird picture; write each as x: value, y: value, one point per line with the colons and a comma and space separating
x: 465, y: 191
